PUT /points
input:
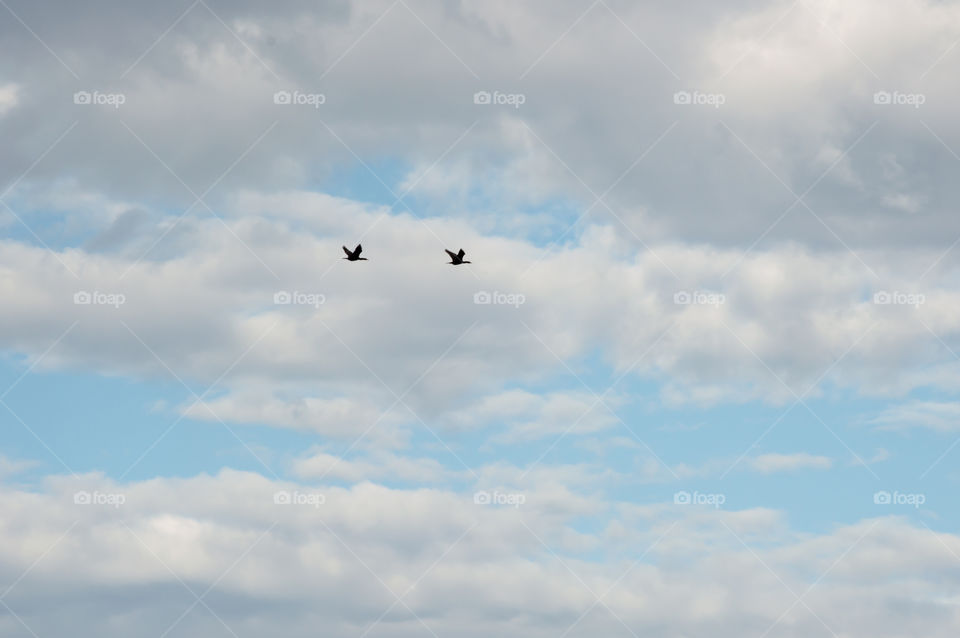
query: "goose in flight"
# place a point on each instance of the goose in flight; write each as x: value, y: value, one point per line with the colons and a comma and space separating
x: 456, y: 258
x: 355, y: 255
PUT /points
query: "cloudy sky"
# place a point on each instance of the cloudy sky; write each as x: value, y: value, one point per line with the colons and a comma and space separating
x: 700, y: 378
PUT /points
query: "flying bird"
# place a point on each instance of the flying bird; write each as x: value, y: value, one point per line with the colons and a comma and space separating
x: 456, y: 258
x: 355, y: 255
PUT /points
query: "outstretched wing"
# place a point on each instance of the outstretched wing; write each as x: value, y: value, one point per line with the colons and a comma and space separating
x: 349, y: 254
x: 461, y: 253
x: 358, y: 250
x: 452, y: 256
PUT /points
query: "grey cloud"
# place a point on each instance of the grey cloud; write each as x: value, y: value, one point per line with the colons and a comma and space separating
x: 201, y: 98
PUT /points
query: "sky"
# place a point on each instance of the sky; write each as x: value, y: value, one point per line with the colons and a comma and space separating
x: 699, y: 378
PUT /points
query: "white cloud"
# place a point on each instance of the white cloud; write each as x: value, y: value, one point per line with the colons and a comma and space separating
x: 906, y: 202
x: 769, y: 463
x: 484, y: 569
x: 9, y: 97
x: 12, y: 467
x: 338, y: 417
x: 943, y: 416
x: 378, y: 466
x: 694, y: 201
x: 524, y: 415
x: 787, y: 317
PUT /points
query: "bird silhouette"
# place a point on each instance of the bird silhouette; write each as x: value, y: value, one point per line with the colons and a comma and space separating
x: 355, y: 255
x: 456, y: 258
